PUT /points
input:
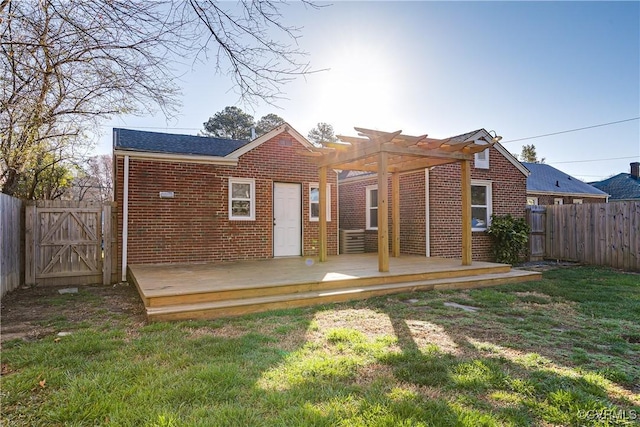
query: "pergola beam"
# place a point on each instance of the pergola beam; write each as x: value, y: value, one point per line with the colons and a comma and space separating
x: 417, y: 164
x: 421, y: 152
x: 356, y: 153
x: 353, y: 139
x: 456, y: 147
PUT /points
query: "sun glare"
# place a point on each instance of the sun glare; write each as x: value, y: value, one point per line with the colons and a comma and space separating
x: 359, y: 87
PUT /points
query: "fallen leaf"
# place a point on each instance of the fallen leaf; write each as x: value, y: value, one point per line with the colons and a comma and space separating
x: 56, y: 340
x: 42, y: 383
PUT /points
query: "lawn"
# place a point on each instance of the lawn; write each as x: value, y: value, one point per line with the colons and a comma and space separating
x: 562, y: 351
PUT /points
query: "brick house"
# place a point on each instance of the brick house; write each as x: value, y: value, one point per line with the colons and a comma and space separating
x: 430, y: 202
x: 547, y: 185
x: 184, y: 198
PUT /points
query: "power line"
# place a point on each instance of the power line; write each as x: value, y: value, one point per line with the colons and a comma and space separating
x: 572, y: 130
x: 594, y: 160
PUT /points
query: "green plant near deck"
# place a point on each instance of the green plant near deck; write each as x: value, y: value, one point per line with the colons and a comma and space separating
x: 509, y: 237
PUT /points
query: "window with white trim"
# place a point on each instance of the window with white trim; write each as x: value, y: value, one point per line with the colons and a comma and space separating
x: 372, y: 207
x: 242, y: 199
x: 532, y: 201
x: 314, y: 201
x: 481, y: 205
x: 481, y: 160
x: 577, y: 201
x: 558, y: 201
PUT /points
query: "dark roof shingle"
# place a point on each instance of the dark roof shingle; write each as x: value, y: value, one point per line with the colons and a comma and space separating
x: 549, y: 179
x: 155, y: 142
x: 621, y: 187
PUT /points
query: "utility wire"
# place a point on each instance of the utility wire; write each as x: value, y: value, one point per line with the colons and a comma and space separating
x: 594, y: 160
x: 502, y: 142
x: 571, y: 130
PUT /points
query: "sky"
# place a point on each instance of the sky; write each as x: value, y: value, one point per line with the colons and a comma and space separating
x: 522, y: 69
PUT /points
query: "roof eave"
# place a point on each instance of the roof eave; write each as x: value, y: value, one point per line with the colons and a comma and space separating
x: 562, y: 193
x: 174, y: 157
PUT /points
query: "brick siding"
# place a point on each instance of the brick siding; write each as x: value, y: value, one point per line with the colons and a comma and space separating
x: 194, y: 226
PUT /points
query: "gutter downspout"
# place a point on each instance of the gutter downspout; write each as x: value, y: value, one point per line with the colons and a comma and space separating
x: 337, y: 212
x: 427, y: 202
x: 125, y: 218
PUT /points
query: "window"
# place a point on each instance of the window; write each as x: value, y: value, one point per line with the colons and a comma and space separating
x: 577, y: 201
x: 481, y: 160
x: 557, y: 201
x: 372, y: 207
x: 480, y: 205
x: 314, y: 202
x: 242, y: 197
x: 532, y: 201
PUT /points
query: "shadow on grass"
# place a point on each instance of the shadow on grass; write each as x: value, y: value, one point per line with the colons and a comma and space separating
x: 280, y: 368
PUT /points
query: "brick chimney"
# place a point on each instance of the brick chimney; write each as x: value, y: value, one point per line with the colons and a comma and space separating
x: 635, y: 170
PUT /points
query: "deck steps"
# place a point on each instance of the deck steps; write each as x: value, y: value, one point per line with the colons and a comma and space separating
x: 233, y: 304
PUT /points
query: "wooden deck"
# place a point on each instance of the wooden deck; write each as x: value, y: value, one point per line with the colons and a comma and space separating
x: 197, y: 291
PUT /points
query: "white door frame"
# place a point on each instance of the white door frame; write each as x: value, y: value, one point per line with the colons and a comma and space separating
x: 294, y: 249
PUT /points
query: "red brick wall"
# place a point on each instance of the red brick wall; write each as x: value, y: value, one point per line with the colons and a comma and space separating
x: 508, y: 189
x: 508, y: 196
x: 566, y: 200
x: 412, y: 207
x: 194, y: 227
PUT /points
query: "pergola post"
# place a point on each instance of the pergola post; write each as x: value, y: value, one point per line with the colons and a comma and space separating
x: 465, y: 166
x: 322, y: 215
x: 383, y: 213
x: 395, y: 214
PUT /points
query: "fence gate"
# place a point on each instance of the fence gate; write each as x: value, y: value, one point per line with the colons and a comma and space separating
x: 536, y: 218
x: 65, y: 244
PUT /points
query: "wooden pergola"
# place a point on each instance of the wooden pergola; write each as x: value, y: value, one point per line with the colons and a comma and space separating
x: 391, y: 153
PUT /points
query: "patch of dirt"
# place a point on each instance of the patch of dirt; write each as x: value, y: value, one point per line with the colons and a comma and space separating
x: 370, y: 323
x: 546, y: 265
x: 32, y: 313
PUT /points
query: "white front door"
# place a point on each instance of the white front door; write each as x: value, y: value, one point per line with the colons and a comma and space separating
x: 287, y: 220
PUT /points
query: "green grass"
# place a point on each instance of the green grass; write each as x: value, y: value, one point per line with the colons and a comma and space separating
x: 561, y: 351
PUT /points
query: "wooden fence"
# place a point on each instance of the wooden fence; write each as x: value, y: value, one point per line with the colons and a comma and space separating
x: 11, y: 248
x: 605, y: 234
x: 69, y: 243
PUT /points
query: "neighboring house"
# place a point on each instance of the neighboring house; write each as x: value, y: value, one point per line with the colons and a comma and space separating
x: 188, y: 198
x: 622, y: 187
x: 547, y: 185
x: 430, y: 202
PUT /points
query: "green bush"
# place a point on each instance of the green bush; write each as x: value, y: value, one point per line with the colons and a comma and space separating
x: 509, y: 237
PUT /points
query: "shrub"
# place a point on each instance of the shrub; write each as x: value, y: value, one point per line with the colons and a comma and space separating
x: 509, y: 237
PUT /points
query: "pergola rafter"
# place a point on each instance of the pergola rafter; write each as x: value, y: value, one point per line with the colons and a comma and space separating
x: 388, y: 154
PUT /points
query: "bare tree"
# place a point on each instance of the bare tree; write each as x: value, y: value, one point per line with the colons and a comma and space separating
x: 69, y: 64
x: 94, y: 180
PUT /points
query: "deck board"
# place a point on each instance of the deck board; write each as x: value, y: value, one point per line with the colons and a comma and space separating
x: 156, y: 280
x: 207, y: 291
